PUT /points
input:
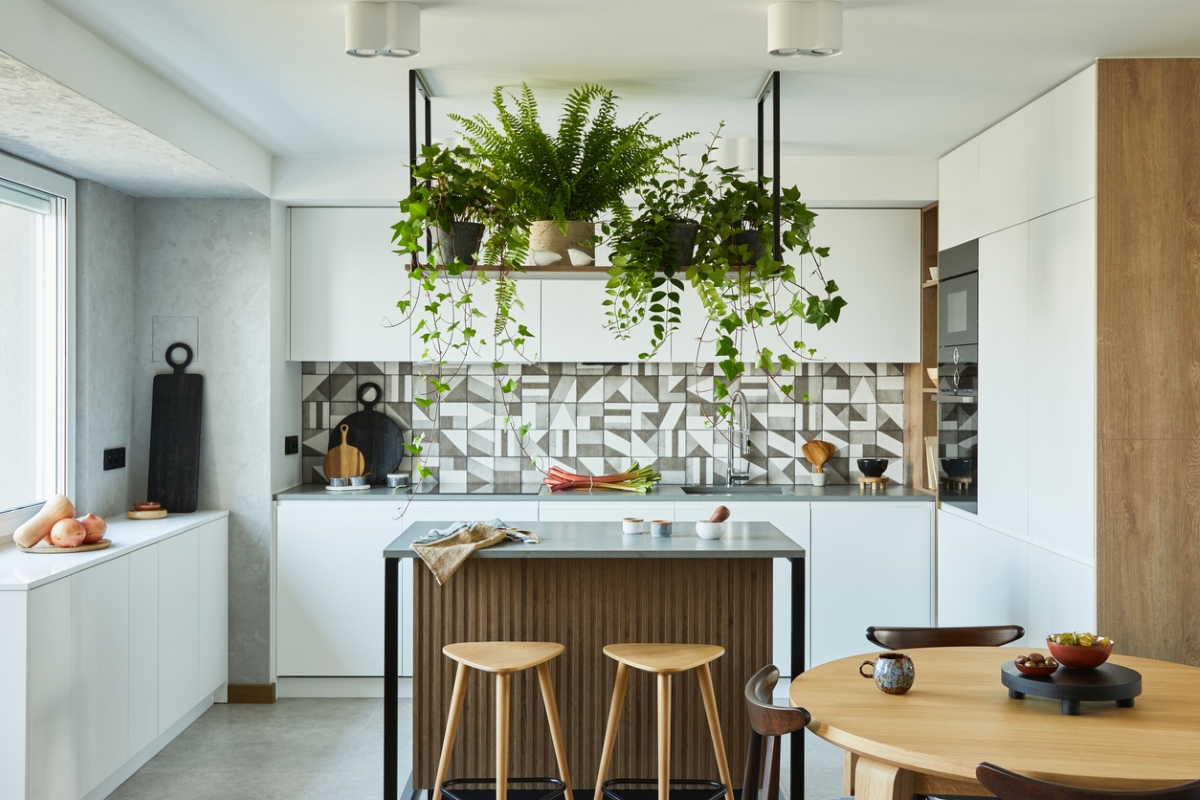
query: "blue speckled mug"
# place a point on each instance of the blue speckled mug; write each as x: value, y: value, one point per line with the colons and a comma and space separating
x: 893, y: 672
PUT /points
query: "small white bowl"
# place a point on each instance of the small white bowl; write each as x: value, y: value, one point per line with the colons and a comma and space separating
x: 710, y: 530
x: 631, y: 526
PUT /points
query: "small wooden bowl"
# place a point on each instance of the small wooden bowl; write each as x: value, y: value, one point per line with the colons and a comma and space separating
x: 1077, y: 656
x: 1035, y: 670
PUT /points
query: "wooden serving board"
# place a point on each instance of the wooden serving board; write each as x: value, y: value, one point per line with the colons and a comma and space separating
x: 159, y: 514
x: 1107, y: 682
x: 345, y: 460
x: 83, y: 548
x: 174, y: 479
x: 376, y: 436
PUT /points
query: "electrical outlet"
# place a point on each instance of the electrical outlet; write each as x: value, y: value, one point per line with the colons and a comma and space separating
x: 291, y: 445
x: 114, y: 458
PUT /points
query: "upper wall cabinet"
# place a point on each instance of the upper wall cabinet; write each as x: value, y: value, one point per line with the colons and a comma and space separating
x: 345, y: 283
x: 573, y: 329
x: 958, y: 196
x: 1004, y: 174
x: 1062, y: 163
x: 875, y: 258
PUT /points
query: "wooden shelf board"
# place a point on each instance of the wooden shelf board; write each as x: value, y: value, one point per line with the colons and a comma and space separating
x: 928, y: 390
x: 929, y: 284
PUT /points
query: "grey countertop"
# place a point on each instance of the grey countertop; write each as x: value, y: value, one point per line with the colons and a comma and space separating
x: 802, y: 492
x: 605, y: 540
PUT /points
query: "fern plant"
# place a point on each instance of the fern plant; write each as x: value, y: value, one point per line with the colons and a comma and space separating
x: 581, y: 172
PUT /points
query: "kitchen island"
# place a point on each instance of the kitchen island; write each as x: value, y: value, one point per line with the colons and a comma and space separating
x: 586, y: 585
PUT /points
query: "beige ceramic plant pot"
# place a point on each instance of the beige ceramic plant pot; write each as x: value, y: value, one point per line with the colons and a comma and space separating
x: 549, y: 247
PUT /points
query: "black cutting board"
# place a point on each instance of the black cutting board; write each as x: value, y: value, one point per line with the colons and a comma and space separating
x: 174, y: 479
x: 377, y: 435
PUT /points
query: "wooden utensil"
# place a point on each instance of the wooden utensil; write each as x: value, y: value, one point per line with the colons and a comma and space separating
x: 345, y: 460
x: 155, y: 514
x: 818, y: 452
x: 174, y: 478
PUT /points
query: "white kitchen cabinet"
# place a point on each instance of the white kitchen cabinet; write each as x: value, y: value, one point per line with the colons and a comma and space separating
x: 982, y: 575
x: 791, y: 517
x: 99, y: 624
x: 1063, y: 145
x: 573, y: 326
x: 1062, y: 373
x: 1004, y: 389
x: 178, y: 628
x: 345, y: 283
x: 528, y: 313
x: 872, y: 565
x: 875, y: 258
x: 958, y: 195
x: 52, y: 746
x: 143, y: 649
x: 1062, y: 595
x: 1004, y: 151
x: 213, y: 577
x: 606, y: 511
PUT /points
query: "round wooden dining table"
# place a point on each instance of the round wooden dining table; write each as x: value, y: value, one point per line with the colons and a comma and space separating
x: 958, y: 714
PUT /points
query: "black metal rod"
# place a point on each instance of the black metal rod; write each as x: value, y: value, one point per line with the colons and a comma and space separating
x: 412, y: 128
x: 761, y: 161
x: 798, y: 591
x: 391, y: 678
x: 428, y: 121
x: 775, y: 163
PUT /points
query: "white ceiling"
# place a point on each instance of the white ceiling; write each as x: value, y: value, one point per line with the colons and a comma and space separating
x: 917, y: 77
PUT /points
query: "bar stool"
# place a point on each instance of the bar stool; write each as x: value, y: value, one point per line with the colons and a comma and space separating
x: 664, y: 660
x: 502, y: 659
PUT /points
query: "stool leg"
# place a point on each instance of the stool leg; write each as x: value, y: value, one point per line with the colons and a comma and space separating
x: 610, y: 733
x: 704, y: 675
x: 664, y: 737
x: 503, y: 704
x: 456, y: 707
x: 556, y: 734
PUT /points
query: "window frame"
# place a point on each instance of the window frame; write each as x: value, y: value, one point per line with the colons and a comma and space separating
x: 59, y: 186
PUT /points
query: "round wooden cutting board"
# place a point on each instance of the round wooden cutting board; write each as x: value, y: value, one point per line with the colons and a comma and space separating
x: 49, y: 548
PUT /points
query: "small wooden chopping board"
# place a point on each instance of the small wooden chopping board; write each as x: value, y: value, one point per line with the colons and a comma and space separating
x: 344, y: 461
x: 50, y: 548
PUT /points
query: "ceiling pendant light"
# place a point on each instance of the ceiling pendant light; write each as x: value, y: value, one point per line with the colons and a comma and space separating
x: 805, y: 28
x: 383, y: 29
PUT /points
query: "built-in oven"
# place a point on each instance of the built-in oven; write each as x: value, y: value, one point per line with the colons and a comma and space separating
x: 958, y: 375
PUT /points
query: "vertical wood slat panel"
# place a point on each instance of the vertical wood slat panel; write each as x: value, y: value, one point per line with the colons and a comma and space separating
x: 585, y: 605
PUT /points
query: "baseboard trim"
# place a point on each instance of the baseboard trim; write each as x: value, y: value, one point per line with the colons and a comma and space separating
x: 338, y: 687
x: 252, y: 693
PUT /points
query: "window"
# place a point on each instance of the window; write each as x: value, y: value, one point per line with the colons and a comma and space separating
x: 35, y: 339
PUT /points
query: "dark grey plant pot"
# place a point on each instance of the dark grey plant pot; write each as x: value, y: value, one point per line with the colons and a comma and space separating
x: 750, y: 239
x: 460, y: 242
x: 683, y: 244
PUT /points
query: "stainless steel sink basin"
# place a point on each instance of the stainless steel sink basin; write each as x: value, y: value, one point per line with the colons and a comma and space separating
x: 749, y: 488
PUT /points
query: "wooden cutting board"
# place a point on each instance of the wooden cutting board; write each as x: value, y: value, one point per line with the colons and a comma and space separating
x: 375, y: 434
x: 174, y: 479
x: 53, y: 549
x: 345, y: 460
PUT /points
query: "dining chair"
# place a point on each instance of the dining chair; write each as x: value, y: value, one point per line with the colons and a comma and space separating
x: 1011, y: 786
x: 769, y: 723
x: 980, y: 636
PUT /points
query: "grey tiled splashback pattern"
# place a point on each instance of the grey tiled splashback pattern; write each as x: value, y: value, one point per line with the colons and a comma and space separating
x: 595, y: 419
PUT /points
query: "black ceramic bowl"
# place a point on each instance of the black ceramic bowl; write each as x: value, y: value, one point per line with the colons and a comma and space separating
x: 872, y: 467
x: 958, y: 467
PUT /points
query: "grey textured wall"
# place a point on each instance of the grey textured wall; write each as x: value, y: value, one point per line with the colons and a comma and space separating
x: 211, y: 259
x: 104, y: 343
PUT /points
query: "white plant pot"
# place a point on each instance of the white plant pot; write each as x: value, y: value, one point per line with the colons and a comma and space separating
x: 546, y: 241
x: 818, y: 478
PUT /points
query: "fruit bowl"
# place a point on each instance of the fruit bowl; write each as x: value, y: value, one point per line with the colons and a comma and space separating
x: 1028, y: 670
x: 1078, y: 656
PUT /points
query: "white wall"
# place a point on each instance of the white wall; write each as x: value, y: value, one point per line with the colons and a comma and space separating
x: 48, y: 41
x: 104, y: 349
x: 285, y: 375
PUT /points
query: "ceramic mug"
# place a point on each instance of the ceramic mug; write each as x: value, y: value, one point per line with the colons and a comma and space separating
x: 893, y: 672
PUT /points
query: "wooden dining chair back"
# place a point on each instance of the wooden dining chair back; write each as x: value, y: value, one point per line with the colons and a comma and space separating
x: 768, y: 723
x: 981, y: 636
x: 1011, y: 786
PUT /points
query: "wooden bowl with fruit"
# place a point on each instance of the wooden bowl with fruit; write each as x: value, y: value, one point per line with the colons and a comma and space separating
x: 1035, y: 664
x: 1080, y: 650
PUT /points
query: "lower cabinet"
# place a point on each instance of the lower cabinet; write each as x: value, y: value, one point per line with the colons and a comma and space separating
x: 872, y: 565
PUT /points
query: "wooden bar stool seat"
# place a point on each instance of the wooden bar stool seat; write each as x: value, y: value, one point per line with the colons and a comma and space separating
x: 502, y: 659
x: 664, y: 660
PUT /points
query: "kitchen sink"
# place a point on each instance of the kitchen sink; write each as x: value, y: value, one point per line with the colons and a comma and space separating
x: 749, y: 488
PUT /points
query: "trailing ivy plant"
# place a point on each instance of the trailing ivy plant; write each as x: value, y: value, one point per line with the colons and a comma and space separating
x: 578, y: 174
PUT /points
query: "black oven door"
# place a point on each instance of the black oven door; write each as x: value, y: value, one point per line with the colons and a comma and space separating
x: 958, y: 310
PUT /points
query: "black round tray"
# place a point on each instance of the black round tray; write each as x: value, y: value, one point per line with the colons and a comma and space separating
x: 1107, y: 682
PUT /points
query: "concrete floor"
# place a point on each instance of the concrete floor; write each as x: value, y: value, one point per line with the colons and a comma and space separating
x: 326, y: 750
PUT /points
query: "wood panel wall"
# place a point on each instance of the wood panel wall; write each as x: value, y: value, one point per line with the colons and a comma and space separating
x: 920, y: 413
x: 1148, y: 353
x: 585, y: 605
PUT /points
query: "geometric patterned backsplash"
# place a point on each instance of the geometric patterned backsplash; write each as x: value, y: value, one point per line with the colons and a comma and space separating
x: 595, y: 419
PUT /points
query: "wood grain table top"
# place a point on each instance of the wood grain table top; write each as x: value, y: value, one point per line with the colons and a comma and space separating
x: 958, y: 714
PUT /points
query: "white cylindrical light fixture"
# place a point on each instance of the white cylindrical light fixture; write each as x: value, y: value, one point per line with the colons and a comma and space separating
x: 383, y: 29
x: 804, y: 28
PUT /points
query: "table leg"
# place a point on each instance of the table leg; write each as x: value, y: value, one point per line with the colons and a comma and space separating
x: 848, y: 773
x: 1070, y: 708
x: 796, y: 789
x: 391, y: 678
x: 874, y: 780
x: 1126, y: 703
x: 1015, y: 695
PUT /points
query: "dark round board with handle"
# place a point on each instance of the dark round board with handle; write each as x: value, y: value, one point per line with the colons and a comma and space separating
x: 1107, y: 682
x: 375, y: 434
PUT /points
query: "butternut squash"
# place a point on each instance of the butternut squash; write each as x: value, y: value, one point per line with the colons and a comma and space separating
x: 33, y: 531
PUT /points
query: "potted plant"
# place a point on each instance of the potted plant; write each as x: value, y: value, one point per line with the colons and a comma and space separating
x: 565, y: 182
